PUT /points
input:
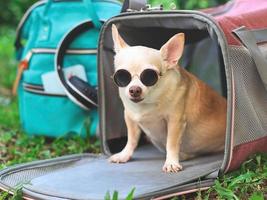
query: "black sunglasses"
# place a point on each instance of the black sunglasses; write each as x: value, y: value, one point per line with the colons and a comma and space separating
x: 148, y: 77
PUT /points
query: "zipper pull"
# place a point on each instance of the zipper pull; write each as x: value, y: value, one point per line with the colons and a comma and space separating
x: 23, y: 65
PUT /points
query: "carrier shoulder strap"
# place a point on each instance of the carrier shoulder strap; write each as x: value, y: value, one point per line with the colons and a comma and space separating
x: 249, y: 39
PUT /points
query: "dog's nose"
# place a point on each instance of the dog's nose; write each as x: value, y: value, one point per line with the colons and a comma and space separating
x: 135, y: 91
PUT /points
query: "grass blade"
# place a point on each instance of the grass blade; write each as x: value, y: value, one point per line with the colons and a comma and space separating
x: 257, y: 196
x: 107, y: 196
x: 130, y: 195
x: 115, y: 195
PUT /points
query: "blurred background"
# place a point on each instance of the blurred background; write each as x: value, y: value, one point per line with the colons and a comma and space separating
x: 12, y: 11
x: 10, y: 14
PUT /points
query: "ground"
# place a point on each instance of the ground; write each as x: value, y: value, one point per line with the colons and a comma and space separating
x: 249, y: 182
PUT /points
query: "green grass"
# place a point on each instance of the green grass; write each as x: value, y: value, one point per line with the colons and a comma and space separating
x: 7, y: 63
x: 115, y: 195
x: 17, y: 147
x: 8, y: 106
x: 249, y: 182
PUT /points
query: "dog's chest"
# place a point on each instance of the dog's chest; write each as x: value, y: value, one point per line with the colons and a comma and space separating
x: 156, y: 131
x: 153, y: 125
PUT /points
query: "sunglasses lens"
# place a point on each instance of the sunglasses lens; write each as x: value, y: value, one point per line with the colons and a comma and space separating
x: 122, y: 78
x: 149, y: 77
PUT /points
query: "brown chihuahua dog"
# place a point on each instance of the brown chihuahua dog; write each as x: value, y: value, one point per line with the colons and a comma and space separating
x: 179, y: 113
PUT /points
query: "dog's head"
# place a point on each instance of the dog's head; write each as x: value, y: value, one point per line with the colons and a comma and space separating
x: 140, y: 70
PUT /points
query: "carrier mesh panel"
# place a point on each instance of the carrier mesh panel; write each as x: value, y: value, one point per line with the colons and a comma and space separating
x: 250, y: 98
x: 90, y: 177
x: 23, y: 177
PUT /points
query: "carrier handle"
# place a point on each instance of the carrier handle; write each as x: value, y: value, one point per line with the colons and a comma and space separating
x: 88, y: 4
x: 134, y: 5
x: 249, y: 39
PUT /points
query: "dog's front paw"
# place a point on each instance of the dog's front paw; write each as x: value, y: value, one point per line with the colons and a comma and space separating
x: 119, y: 158
x: 172, y: 166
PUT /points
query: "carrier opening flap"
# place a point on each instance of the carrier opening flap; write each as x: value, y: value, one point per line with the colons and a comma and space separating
x: 90, y: 177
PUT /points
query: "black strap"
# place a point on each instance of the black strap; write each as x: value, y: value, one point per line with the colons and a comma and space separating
x: 59, y: 58
x: 249, y: 39
x: 136, y: 5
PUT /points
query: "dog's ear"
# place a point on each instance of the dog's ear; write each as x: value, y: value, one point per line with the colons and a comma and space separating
x: 172, y: 50
x: 119, y: 43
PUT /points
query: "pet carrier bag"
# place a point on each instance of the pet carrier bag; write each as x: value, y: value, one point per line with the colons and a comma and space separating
x: 44, y: 105
x: 226, y: 48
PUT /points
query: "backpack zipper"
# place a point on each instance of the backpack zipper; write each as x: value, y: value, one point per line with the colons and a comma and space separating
x: 33, y: 86
x: 69, y: 51
x: 24, y: 64
x: 39, y: 89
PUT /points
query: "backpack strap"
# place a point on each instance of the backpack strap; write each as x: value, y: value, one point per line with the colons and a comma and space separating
x: 250, y: 38
x: 17, y: 43
x: 128, y: 4
x: 91, y: 8
x: 88, y: 4
x: 136, y: 5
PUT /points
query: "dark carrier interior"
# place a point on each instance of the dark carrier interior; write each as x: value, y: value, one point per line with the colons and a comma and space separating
x: 202, y: 56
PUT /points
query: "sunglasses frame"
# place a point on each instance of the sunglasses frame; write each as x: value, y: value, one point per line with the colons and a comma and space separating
x: 132, y: 75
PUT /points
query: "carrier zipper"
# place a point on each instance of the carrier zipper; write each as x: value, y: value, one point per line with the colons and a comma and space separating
x: 23, y: 65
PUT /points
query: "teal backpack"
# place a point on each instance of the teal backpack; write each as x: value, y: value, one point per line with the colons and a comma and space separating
x: 44, y: 106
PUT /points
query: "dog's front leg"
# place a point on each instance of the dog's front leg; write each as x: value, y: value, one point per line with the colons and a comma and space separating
x: 132, y: 141
x: 175, y: 131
